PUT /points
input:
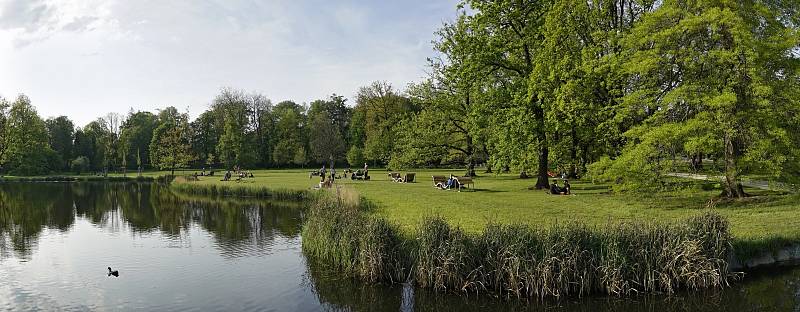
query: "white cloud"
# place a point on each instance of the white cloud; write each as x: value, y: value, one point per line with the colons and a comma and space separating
x: 86, y: 58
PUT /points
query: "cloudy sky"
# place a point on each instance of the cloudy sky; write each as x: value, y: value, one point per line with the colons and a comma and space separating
x: 86, y: 58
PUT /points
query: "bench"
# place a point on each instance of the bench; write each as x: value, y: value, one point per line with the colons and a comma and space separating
x: 409, y: 177
x: 439, y: 179
x: 463, y: 182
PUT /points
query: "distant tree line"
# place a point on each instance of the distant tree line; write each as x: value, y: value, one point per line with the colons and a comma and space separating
x: 238, y: 129
x: 624, y: 90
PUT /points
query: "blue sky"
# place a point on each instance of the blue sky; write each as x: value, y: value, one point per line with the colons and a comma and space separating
x: 84, y: 59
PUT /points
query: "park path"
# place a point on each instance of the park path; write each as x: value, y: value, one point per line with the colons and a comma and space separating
x: 759, y: 184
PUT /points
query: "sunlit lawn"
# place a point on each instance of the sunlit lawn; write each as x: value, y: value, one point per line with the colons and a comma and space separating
x: 507, y: 199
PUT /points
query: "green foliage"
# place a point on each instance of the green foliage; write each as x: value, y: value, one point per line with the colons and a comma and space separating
x: 79, y: 165
x: 26, y: 140
x: 355, y: 156
x: 61, y: 132
x: 169, y: 148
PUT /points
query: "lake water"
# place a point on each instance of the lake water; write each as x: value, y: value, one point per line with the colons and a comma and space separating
x: 177, y: 253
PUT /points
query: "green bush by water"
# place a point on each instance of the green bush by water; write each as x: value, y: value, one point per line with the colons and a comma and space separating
x: 520, y: 261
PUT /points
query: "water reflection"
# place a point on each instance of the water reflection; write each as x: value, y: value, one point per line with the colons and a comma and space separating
x: 239, y: 228
x: 176, y: 252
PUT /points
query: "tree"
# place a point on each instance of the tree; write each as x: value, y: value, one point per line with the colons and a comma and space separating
x: 233, y: 113
x: 61, y: 133
x: 712, y: 77
x: 79, y: 164
x: 382, y: 109
x: 4, y: 139
x: 28, y: 151
x: 170, y: 147
x: 289, y: 132
x: 355, y: 156
x: 325, y: 139
x: 135, y: 135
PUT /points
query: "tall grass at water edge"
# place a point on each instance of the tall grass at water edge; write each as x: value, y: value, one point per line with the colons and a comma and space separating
x: 519, y: 261
x: 238, y: 191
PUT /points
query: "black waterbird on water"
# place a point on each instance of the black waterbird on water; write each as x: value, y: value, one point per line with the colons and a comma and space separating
x: 115, y: 272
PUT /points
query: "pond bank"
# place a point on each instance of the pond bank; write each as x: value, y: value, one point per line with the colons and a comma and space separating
x: 572, y: 259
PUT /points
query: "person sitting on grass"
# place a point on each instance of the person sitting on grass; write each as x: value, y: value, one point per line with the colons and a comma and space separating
x: 554, y: 189
x: 566, y: 189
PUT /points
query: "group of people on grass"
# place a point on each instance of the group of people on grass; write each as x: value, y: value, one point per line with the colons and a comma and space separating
x: 239, y: 173
x: 328, y: 177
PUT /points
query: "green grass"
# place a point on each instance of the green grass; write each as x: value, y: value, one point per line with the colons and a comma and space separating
x: 765, y: 219
x: 506, y: 199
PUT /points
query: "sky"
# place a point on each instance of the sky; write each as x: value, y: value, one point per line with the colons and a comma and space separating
x: 84, y: 59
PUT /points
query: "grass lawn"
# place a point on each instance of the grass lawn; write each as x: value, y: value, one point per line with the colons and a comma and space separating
x: 507, y: 199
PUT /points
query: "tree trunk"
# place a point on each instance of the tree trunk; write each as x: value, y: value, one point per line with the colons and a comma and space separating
x: 572, y: 171
x: 542, y: 181
x: 470, y: 157
x: 733, y: 189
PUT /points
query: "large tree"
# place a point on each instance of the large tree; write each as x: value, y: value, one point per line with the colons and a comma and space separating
x: 61, y: 134
x: 382, y: 109
x: 713, y: 77
x: 289, y: 134
x: 28, y: 151
x: 170, y: 147
x: 135, y: 136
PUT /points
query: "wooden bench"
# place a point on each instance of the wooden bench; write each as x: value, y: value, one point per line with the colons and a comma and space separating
x: 463, y: 182
x: 409, y: 177
x: 439, y: 179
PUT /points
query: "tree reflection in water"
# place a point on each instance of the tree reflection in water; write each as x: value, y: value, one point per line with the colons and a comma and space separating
x: 239, y: 227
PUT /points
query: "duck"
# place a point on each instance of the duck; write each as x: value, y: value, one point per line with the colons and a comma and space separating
x: 114, y: 272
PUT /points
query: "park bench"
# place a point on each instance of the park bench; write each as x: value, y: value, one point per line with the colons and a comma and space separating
x: 395, y: 176
x: 409, y: 177
x: 439, y: 179
x: 463, y: 182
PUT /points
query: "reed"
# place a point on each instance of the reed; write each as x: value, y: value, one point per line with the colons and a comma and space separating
x: 518, y: 261
x: 237, y: 191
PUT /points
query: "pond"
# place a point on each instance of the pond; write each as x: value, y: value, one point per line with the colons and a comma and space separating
x: 175, y: 252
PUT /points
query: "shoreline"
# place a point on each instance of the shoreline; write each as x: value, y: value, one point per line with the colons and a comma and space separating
x: 384, y: 254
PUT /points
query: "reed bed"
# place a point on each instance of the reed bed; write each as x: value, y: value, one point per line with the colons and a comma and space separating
x: 518, y: 261
x: 238, y: 191
x: 77, y: 179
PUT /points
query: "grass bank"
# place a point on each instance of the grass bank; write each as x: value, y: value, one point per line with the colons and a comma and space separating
x: 763, y: 222
x: 520, y: 261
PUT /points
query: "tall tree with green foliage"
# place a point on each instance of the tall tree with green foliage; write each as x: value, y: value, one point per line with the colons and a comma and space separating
x: 135, y: 136
x: 170, y: 147
x: 713, y: 77
x: 61, y: 133
x: 28, y: 151
x: 289, y: 134
x: 382, y: 109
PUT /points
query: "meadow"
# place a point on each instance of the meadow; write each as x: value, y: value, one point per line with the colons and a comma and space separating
x: 506, y: 199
